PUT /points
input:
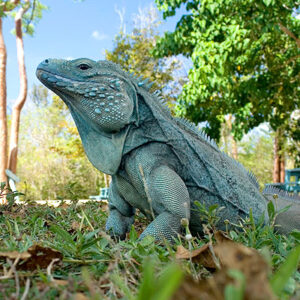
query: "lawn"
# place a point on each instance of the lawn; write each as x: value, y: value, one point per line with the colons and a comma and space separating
x: 64, y: 253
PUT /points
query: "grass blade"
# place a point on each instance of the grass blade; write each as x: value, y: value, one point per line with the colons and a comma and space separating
x: 285, y: 271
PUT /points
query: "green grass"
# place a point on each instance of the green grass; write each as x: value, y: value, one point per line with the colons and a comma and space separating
x: 100, y: 268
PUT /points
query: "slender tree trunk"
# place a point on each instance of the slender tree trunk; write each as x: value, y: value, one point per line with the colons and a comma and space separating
x: 15, y: 121
x: 234, y: 149
x: 3, y: 122
x: 279, y: 161
x: 276, y: 167
x: 282, y: 168
x: 107, y: 180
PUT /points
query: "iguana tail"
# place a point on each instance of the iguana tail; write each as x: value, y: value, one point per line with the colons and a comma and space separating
x: 289, y: 220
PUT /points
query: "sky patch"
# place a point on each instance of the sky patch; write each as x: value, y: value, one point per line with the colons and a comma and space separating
x: 98, y: 35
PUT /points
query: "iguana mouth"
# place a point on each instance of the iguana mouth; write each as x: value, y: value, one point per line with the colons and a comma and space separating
x: 47, y: 76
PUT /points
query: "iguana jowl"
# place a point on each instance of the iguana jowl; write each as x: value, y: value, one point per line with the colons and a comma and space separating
x: 159, y: 164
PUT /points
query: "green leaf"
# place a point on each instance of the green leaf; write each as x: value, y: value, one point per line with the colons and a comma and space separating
x: 163, y: 287
x: 90, y: 243
x: 267, y: 2
x: 148, y: 284
x: 169, y: 282
x: 285, y: 271
x: 296, y: 234
x: 147, y: 240
x: 133, y: 236
x: 271, y: 210
x: 286, y: 208
x: 2, y: 185
x: 119, y: 281
x: 235, y: 292
x: 63, y: 234
x: 212, y: 208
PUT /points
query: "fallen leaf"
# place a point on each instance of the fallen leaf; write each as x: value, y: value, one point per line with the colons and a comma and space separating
x: 14, y: 255
x: 64, y: 205
x: 75, y: 225
x: 195, y: 290
x: 250, y: 263
x: 201, y: 256
x: 80, y: 296
x: 183, y: 253
x: 221, y: 237
x: 232, y: 256
x: 59, y: 282
x: 40, y: 257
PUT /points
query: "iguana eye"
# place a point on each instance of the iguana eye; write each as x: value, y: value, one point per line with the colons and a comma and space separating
x: 83, y: 67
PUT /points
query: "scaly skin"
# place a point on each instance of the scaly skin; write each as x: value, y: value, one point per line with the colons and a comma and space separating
x: 159, y: 164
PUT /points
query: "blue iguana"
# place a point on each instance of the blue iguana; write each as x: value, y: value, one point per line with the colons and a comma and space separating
x: 159, y: 164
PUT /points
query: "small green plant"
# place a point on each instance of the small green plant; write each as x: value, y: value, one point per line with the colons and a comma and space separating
x: 8, y: 194
x: 209, y: 215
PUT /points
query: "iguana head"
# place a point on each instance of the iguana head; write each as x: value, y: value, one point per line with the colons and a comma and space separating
x: 102, y: 100
x: 97, y: 91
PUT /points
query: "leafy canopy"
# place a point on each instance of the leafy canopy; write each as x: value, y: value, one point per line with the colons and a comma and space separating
x: 33, y: 11
x: 246, y: 61
x: 132, y: 52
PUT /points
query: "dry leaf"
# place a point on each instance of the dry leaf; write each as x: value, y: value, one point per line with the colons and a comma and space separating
x: 80, y: 296
x: 250, y: 263
x: 14, y: 255
x: 231, y: 256
x: 201, y: 256
x: 64, y: 205
x: 75, y: 225
x: 59, y: 282
x: 183, y: 253
x: 221, y: 237
x: 203, y: 289
x: 40, y: 257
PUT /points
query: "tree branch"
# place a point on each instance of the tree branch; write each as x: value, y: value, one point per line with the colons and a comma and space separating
x: 14, y: 2
x: 290, y: 34
x: 15, y: 118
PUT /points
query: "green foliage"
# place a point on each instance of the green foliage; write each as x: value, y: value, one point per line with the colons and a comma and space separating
x: 291, y: 131
x: 245, y: 61
x: 132, y: 52
x: 209, y: 215
x: 161, y: 288
x: 256, y: 154
x: 34, y: 12
x: 233, y: 292
x: 60, y: 169
x: 6, y: 192
x: 286, y: 270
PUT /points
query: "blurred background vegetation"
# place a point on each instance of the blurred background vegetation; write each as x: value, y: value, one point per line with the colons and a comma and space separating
x: 229, y: 66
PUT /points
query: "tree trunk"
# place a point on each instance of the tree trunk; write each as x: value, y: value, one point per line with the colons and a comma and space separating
x: 107, y: 180
x: 3, y: 123
x: 15, y: 121
x: 234, y: 149
x: 282, y: 168
x: 276, y: 167
x: 279, y: 161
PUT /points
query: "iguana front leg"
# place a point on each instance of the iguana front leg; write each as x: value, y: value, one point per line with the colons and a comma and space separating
x: 121, y: 214
x: 169, y: 198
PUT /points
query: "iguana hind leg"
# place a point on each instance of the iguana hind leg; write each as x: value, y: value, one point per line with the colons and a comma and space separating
x: 166, y: 225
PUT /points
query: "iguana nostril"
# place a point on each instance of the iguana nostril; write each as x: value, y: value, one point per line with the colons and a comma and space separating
x: 46, y: 61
